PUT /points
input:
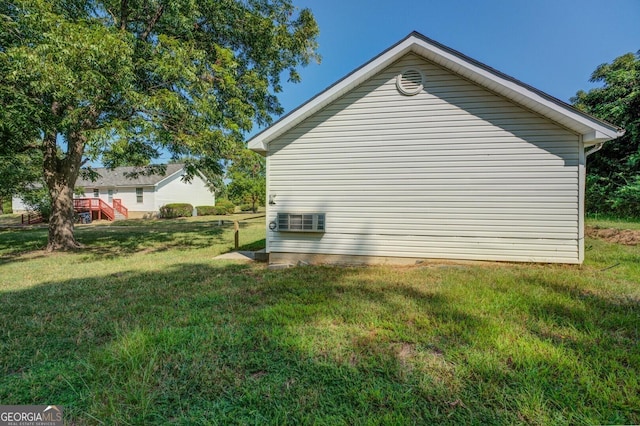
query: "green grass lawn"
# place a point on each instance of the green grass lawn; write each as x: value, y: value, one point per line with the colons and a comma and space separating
x: 144, y: 327
x: 607, y: 222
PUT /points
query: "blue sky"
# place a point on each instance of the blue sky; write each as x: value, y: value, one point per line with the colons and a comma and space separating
x: 553, y: 45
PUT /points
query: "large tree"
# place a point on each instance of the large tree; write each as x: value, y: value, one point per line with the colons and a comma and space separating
x: 121, y: 81
x: 614, y: 172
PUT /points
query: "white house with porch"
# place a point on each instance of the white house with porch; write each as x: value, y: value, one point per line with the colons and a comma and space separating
x: 116, y: 194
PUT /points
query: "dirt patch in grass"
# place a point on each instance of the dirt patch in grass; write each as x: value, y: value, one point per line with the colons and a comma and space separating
x: 629, y: 237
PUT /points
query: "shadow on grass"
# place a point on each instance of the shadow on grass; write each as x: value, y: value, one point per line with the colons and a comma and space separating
x: 18, y: 241
x: 254, y: 246
x: 108, y: 241
x: 114, y: 242
x: 231, y: 343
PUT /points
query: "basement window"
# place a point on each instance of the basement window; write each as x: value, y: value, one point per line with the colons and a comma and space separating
x: 301, y: 222
x: 410, y: 81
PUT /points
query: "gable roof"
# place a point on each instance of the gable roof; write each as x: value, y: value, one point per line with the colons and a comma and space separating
x: 118, y: 177
x: 593, y: 130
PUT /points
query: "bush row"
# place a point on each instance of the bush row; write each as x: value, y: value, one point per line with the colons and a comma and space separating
x: 222, y: 207
x: 206, y: 210
x: 170, y: 211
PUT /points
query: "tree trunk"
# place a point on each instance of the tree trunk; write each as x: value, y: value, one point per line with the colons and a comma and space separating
x: 60, y: 176
x: 61, y: 228
x: 1, y: 205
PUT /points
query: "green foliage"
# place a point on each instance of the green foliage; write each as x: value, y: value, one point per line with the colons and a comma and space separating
x: 612, y: 172
x: 218, y: 210
x: 6, y: 206
x: 248, y: 179
x: 626, y: 200
x: 18, y: 172
x: 206, y: 210
x: 37, y: 200
x: 246, y: 207
x: 121, y: 81
x: 171, y: 211
x: 224, y: 206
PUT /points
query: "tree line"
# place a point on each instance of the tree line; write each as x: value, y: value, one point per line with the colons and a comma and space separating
x: 613, y: 173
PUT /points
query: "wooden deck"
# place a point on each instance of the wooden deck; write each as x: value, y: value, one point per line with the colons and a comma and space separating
x: 99, y: 209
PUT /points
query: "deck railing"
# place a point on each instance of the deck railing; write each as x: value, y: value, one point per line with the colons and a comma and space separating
x: 94, y: 205
x: 117, y: 205
x: 31, y: 218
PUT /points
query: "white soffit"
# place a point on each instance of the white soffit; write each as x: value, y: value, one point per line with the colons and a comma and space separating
x: 592, y: 129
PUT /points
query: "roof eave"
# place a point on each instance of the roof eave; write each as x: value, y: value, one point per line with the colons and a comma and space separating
x: 593, y: 130
x: 167, y: 177
x: 597, y: 137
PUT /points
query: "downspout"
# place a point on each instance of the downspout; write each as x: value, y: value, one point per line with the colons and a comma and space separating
x: 596, y: 148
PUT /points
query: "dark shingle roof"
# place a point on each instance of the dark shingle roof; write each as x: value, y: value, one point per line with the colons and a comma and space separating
x: 118, y: 177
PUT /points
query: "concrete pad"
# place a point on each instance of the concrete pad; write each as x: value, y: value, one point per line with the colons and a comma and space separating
x: 242, y: 256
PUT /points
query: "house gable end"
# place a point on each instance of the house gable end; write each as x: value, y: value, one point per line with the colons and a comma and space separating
x: 455, y: 171
x: 594, y: 130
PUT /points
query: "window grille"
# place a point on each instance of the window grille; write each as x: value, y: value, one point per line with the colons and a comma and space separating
x: 301, y: 222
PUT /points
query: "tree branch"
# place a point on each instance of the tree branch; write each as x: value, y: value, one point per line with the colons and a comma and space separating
x: 124, y: 14
x: 29, y: 147
x: 152, y: 23
x: 115, y: 21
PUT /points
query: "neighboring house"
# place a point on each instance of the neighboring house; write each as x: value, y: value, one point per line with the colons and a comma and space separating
x: 142, y: 196
x: 425, y: 153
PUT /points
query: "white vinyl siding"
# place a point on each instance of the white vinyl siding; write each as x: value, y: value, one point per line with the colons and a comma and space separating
x: 175, y: 190
x: 129, y: 198
x: 452, y: 172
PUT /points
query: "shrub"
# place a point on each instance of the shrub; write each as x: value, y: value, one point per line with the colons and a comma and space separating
x: 38, y: 200
x: 206, y: 210
x: 170, y: 211
x: 604, y: 197
x: 224, y: 207
x: 246, y: 208
x: 626, y: 200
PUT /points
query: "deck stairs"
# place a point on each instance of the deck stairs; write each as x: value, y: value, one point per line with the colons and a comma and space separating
x: 99, y: 209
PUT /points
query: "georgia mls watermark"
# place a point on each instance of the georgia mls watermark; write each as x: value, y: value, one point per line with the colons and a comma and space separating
x: 31, y: 415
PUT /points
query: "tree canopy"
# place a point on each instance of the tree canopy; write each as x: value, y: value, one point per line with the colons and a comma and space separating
x: 613, y: 180
x: 247, y: 173
x: 121, y: 81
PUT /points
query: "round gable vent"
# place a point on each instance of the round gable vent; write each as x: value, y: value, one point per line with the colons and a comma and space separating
x: 410, y: 81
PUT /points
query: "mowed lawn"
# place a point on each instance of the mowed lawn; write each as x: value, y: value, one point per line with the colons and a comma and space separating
x: 144, y: 327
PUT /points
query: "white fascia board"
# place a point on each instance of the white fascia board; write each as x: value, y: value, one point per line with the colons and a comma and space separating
x: 456, y: 62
